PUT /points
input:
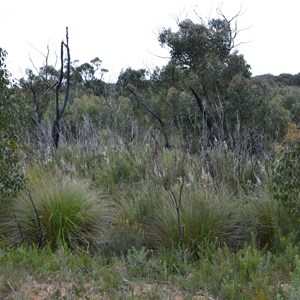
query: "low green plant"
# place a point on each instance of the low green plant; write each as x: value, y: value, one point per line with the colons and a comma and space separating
x: 122, y: 235
x: 264, y: 211
x: 207, y: 215
x: 58, y: 211
x: 294, y: 290
x: 247, y: 274
x: 286, y: 186
x: 108, y: 166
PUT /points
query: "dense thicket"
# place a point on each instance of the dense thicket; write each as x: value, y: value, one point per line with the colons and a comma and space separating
x: 192, y: 146
x: 188, y: 173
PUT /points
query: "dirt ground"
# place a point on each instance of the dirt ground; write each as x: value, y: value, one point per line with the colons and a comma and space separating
x: 53, y: 288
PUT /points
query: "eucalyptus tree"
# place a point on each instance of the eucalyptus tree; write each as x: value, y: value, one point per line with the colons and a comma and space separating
x: 206, y: 54
x: 137, y: 78
x: 90, y: 76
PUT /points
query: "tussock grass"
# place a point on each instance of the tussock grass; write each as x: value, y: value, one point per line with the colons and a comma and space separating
x: 206, y: 217
x: 58, y: 210
x: 233, y: 244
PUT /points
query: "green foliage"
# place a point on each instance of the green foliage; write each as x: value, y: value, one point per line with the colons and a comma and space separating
x: 232, y: 100
x: 11, y: 177
x: 294, y: 291
x: 122, y: 236
x: 287, y: 177
x: 92, y: 107
x: 59, y: 211
x: 193, y: 41
x: 244, y: 97
x: 205, y: 50
x: 180, y: 108
x: 86, y: 79
x: 265, y: 212
x: 136, y: 78
x: 237, y: 170
x: 89, y: 113
x: 281, y: 117
x: 4, y: 74
x: 196, y: 217
x: 246, y: 274
x: 289, y: 97
x: 107, y: 167
x: 251, y: 106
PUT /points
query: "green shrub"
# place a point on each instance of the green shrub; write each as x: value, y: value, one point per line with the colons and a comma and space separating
x: 294, y: 290
x: 246, y: 274
x: 11, y: 177
x: 287, y: 177
x: 11, y: 117
x: 58, y: 211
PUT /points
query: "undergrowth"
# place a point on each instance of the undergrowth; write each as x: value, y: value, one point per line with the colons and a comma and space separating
x: 108, y: 216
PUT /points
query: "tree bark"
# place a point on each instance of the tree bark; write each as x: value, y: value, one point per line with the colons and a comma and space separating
x: 59, y: 111
x: 212, y: 128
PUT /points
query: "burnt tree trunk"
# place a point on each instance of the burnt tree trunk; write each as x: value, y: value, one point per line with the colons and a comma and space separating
x: 59, y: 111
x: 212, y: 128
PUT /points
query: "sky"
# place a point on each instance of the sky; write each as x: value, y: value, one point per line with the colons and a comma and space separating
x: 124, y: 33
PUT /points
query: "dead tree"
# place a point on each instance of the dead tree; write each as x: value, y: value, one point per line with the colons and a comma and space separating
x: 212, y: 127
x: 40, y: 87
x: 59, y: 111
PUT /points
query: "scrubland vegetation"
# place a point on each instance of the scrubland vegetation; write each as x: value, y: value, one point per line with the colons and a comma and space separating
x: 179, y: 183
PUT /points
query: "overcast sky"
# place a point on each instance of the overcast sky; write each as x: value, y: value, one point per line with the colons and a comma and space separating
x: 123, y: 33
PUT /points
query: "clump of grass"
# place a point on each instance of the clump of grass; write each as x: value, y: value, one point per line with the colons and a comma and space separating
x: 122, y: 236
x: 207, y: 216
x: 58, y: 211
x: 134, y: 207
x: 264, y: 210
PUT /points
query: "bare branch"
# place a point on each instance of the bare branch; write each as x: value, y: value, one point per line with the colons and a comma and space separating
x: 19, y: 226
x: 40, y: 235
x: 154, y: 115
x: 45, y: 79
x: 159, y: 56
x: 46, y: 66
x: 199, y: 17
x: 177, y: 201
x: 36, y: 69
x: 233, y: 30
x: 39, y: 51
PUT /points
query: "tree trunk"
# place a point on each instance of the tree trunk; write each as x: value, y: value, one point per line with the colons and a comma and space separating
x: 59, y: 112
